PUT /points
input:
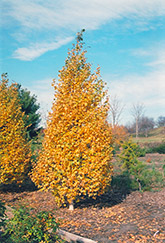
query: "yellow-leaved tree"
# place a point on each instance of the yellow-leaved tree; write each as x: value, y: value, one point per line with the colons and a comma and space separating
x: 15, y: 151
x: 76, y: 154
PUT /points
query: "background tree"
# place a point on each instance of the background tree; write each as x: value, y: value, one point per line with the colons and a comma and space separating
x: 30, y: 108
x: 14, y: 149
x: 146, y: 124
x: 131, y: 127
x: 137, y: 112
x: 75, y: 159
x: 116, y: 109
x: 161, y: 121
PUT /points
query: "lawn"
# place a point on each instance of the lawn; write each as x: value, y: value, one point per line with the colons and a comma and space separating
x: 155, y: 136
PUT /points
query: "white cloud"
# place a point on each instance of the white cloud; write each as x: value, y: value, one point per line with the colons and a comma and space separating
x: 141, y: 52
x: 156, y: 54
x: 64, y: 17
x: 36, y: 50
x: 159, y: 60
x: 41, y: 14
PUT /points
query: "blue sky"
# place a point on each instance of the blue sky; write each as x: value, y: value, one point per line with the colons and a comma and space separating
x: 126, y: 38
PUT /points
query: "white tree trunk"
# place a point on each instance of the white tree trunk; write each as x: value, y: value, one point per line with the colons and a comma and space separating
x: 71, y: 206
x: 137, y: 128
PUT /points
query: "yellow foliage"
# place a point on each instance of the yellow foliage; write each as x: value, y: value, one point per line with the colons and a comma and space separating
x: 76, y: 154
x: 14, y: 149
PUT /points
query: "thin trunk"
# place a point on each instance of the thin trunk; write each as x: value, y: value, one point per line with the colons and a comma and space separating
x: 137, y: 128
x: 140, y: 187
x: 114, y: 120
x: 71, y: 206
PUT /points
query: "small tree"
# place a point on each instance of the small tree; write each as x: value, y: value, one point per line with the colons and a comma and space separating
x: 116, y: 109
x: 14, y: 149
x: 128, y: 155
x: 141, y: 176
x: 137, y: 112
x: 75, y: 159
x: 130, y: 162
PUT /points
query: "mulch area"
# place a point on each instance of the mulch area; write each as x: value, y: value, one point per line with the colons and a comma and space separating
x: 139, y: 217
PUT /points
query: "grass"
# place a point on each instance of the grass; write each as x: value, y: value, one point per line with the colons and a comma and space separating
x: 156, y: 135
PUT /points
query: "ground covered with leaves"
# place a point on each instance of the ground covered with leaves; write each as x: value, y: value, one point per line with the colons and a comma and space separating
x: 137, y: 218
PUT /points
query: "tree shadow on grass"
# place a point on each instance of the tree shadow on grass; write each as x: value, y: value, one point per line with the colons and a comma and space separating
x: 116, y: 192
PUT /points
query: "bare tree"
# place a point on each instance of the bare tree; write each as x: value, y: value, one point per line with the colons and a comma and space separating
x: 116, y: 109
x: 137, y: 112
x: 146, y: 124
x: 161, y: 121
